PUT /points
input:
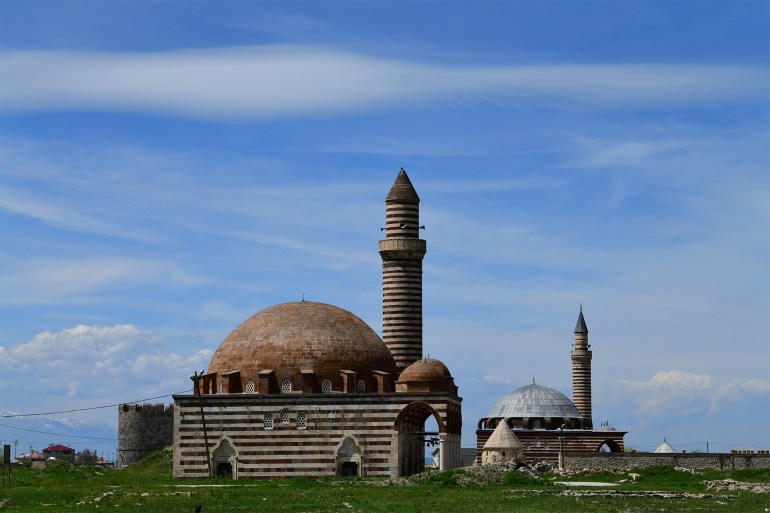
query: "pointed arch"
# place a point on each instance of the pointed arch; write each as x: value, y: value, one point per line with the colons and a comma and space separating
x: 349, y: 456
x: 224, y: 458
x: 412, y: 417
x: 612, y: 445
x: 409, y: 436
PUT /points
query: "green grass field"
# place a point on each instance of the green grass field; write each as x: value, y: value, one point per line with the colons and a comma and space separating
x: 148, y: 486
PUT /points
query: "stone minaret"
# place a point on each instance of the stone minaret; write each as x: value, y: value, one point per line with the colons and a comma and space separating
x: 581, y: 370
x: 402, y: 252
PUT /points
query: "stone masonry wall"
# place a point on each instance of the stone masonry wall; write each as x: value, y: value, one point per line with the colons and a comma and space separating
x: 142, y: 430
x: 718, y: 461
x: 265, y: 437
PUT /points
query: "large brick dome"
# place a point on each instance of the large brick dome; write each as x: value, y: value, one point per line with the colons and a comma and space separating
x: 304, y: 342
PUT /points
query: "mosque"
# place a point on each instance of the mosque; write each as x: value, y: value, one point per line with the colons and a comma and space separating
x: 542, y: 424
x: 309, y: 389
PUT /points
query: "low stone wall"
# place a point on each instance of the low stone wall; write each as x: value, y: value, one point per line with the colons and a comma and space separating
x: 718, y: 461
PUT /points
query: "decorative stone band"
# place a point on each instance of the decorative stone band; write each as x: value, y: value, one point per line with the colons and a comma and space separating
x: 402, y: 248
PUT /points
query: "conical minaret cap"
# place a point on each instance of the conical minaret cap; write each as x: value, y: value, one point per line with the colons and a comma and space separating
x: 581, y: 327
x: 402, y: 190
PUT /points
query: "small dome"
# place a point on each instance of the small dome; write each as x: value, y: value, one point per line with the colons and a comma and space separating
x: 501, y: 446
x: 426, y: 375
x: 503, y: 439
x: 426, y: 369
x: 606, y: 427
x: 534, y: 401
x: 305, y: 336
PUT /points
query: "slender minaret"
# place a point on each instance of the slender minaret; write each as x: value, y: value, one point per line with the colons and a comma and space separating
x: 581, y: 371
x: 402, y: 252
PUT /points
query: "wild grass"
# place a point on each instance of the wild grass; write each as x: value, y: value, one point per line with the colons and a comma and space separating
x: 148, y: 487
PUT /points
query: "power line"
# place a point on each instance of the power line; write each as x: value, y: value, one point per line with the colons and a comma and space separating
x: 59, y: 434
x: 88, y: 444
x: 90, y: 408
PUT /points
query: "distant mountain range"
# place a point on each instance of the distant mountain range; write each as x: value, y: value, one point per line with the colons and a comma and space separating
x: 38, y: 432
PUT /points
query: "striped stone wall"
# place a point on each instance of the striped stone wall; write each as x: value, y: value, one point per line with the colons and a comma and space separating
x: 336, y: 427
x: 543, y: 445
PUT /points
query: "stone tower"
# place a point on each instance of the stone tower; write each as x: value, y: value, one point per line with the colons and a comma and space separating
x: 402, y: 252
x: 581, y: 370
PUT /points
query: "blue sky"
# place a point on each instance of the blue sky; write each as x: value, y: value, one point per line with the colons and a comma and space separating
x: 170, y: 168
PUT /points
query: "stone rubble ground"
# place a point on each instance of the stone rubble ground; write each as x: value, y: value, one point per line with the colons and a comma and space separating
x: 732, y: 485
x: 495, y: 473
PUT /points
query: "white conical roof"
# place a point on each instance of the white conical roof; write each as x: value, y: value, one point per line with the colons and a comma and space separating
x: 665, y: 448
x: 503, y: 439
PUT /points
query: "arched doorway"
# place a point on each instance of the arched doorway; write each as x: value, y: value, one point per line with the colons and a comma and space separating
x: 410, y: 436
x: 348, y: 456
x: 609, y: 446
x: 224, y: 459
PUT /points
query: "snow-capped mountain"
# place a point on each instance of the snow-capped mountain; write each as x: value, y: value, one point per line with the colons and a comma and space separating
x: 38, y: 432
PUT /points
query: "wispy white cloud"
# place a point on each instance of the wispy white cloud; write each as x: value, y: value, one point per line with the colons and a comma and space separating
x: 268, y: 81
x: 91, y: 363
x: 625, y: 153
x: 44, y: 280
x: 65, y: 217
x: 680, y: 393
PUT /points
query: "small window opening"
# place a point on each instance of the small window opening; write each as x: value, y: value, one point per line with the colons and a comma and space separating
x: 250, y: 386
x: 360, y: 386
x: 285, y: 416
x: 326, y: 386
x: 268, y: 421
x: 301, y: 421
x: 286, y: 385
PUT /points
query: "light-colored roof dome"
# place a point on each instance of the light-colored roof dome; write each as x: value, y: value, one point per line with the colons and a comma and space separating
x: 534, y: 401
x: 606, y: 427
x: 292, y: 337
x: 502, y: 438
x: 665, y: 448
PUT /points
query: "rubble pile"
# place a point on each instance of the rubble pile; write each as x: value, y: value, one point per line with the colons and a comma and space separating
x: 733, y: 485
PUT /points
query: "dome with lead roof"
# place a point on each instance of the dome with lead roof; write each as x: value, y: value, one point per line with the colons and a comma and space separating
x: 535, y: 407
x: 534, y: 401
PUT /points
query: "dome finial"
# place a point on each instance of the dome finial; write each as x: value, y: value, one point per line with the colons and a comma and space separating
x: 533, y: 379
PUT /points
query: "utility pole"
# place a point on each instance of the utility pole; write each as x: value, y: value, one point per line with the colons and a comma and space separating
x: 196, y: 377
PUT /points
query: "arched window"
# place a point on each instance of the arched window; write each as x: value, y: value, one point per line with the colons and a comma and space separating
x: 285, y: 416
x: 250, y: 386
x: 268, y: 421
x: 286, y: 385
x: 360, y: 386
x: 301, y: 420
x: 326, y: 386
